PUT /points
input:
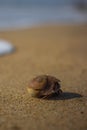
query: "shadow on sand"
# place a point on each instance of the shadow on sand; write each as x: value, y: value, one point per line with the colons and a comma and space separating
x: 65, y: 96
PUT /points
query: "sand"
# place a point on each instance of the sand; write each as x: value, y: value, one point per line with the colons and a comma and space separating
x: 60, y: 51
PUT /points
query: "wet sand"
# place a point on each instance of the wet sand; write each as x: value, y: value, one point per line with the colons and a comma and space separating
x: 60, y: 51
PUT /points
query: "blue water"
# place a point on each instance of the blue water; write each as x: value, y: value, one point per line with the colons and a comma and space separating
x: 28, y: 13
x: 35, y: 2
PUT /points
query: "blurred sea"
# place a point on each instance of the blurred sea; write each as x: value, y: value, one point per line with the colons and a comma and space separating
x: 28, y: 13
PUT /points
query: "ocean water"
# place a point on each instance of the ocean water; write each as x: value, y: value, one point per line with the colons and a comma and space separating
x: 28, y: 13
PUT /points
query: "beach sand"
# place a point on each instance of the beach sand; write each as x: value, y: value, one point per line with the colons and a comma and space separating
x: 60, y: 51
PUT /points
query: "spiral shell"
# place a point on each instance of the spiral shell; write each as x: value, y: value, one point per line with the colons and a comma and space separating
x: 44, y: 86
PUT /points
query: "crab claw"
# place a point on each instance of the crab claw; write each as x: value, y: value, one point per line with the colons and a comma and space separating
x: 60, y: 91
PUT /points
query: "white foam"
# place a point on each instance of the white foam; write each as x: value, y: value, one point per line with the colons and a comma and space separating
x: 5, y: 47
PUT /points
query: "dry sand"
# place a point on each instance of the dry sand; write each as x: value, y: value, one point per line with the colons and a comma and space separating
x: 57, y: 50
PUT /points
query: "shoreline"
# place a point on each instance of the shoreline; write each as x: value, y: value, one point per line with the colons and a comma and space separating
x: 42, y: 26
x: 34, y: 16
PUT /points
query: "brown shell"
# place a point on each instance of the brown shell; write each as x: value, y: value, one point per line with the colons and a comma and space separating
x: 45, y: 85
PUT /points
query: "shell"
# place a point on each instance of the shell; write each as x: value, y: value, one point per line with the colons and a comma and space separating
x: 44, y: 86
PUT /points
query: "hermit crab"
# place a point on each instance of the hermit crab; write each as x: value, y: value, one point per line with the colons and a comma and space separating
x: 44, y: 86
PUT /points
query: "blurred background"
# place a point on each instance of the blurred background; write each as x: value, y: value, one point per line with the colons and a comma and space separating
x: 27, y: 13
x: 58, y: 49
